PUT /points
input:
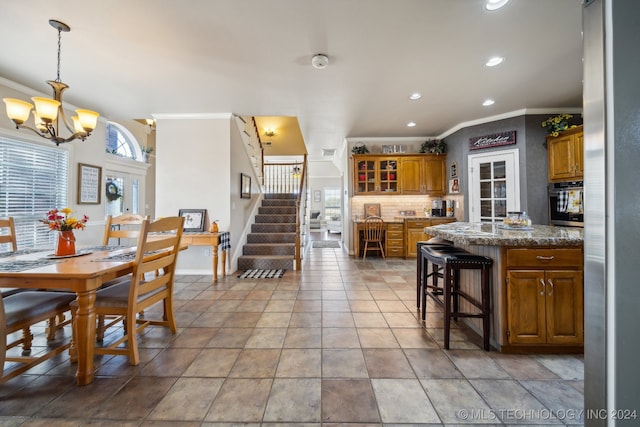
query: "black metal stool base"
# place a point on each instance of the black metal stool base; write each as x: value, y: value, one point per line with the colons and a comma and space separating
x: 448, y: 262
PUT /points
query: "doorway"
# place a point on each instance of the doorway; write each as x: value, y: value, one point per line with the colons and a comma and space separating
x: 123, y: 193
x: 494, y: 185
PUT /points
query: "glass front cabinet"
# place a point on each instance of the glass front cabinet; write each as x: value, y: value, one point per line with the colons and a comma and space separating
x: 399, y: 174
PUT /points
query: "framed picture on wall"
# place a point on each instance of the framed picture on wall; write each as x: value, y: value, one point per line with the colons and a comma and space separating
x: 245, y: 186
x: 194, y: 219
x: 89, y: 179
x: 371, y: 209
x: 317, y: 196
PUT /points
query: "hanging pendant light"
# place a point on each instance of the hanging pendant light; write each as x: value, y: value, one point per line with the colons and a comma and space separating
x: 49, y: 113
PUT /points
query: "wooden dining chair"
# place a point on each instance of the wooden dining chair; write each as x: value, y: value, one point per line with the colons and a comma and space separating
x: 143, y: 289
x: 125, y: 226
x: 19, y: 312
x: 373, y: 234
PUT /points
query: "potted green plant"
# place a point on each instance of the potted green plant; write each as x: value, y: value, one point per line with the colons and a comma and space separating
x: 359, y: 149
x: 146, y: 150
x: 434, y: 146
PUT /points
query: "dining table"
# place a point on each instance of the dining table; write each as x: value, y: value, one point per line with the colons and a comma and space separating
x: 82, y: 273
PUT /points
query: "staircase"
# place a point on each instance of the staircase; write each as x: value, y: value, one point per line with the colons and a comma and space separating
x: 271, y: 244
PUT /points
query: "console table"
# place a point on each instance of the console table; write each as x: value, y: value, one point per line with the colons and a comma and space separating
x: 218, y: 241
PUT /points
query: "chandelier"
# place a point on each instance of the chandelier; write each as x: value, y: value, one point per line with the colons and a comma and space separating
x: 49, y: 112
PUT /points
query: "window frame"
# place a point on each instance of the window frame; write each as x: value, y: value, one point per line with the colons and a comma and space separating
x: 29, y: 232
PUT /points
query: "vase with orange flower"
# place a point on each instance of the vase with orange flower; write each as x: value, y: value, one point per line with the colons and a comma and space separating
x: 64, y: 223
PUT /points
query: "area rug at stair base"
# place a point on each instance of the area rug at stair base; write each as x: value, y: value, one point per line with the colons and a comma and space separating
x: 262, y: 274
x: 326, y: 244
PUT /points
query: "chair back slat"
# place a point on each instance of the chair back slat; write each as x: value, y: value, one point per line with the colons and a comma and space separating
x: 8, y: 235
x: 125, y: 226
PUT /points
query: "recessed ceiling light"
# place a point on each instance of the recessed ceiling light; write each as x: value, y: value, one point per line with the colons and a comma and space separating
x: 415, y: 95
x: 488, y: 102
x: 495, y: 4
x: 492, y: 62
x: 411, y: 124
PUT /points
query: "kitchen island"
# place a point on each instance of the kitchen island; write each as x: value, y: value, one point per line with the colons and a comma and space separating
x: 537, y: 283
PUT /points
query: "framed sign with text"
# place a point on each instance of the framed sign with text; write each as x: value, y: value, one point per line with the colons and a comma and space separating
x: 89, y: 179
x: 493, y: 140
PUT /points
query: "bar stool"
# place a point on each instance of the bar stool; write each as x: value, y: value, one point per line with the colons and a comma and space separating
x: 452, y: 261
x: 423, y: 265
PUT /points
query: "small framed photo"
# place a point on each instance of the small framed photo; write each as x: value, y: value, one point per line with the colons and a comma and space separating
x: 454, y: 169
x: 194, y: 219
x: 317, y: 196
x: 245, y: 186
x: 89, y: 184
x: 454, y: 186
x: 371, y: 209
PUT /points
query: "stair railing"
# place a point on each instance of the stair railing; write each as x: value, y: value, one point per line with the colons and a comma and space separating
x: 301, y: 212
x: 282, y: 177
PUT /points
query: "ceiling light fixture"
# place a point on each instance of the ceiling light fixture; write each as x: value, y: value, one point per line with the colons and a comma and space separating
x: 269, y: 132
x: 495, y: 4
x: 488, y: 102
x: 496, y: 60
x: 415, y: 96
x: 48, y: 111
x: 320, y: 61
x: 411, y: 124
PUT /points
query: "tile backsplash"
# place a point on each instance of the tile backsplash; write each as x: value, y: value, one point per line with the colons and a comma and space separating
x: 392, y: 206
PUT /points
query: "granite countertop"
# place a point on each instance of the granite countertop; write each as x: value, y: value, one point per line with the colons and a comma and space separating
x: 465, y: 233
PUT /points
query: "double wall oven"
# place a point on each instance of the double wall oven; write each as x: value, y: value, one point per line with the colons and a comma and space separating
x: 566, y: 203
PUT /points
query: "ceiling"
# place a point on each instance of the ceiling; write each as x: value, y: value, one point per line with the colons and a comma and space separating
x: 134, y: 59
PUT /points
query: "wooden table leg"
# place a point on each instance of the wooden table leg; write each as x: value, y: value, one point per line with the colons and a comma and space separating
x: 215, y: 263
x: 85, y: 335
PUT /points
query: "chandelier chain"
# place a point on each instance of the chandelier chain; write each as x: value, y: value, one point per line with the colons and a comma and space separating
x: 59, y: 49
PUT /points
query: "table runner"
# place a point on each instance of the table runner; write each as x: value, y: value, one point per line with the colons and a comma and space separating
x: 22, y: 265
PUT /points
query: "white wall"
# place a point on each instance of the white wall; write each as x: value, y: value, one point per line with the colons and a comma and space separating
x: 193, y: 172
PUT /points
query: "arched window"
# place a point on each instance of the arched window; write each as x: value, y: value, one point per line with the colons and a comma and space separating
x: 122, y: 143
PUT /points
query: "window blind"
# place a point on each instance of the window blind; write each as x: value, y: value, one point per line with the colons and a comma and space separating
x: 33, y: 180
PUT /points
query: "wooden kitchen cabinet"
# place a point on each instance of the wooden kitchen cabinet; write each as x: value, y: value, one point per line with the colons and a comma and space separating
x: 566, y: 161
x: 405, y: 174
x: 423, y: 174
x: 414, y: 231
x: 544, y: 292
x: 375, y: 175
x: 394, y: 238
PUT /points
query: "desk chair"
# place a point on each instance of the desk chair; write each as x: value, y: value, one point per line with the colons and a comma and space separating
x: 373, y: 233
x: 143, y: 288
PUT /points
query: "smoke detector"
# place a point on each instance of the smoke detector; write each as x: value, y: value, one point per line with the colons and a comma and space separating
x: 320, y: 61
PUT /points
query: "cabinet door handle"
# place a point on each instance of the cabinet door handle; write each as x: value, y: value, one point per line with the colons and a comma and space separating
x: 545, y: 258
x: 544, y: 287
x: 550, y: 287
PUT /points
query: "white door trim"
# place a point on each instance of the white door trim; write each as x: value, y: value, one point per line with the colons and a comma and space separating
x: 511, y: 158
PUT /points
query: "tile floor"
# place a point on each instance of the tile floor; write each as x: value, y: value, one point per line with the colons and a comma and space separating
x: 338, y: 343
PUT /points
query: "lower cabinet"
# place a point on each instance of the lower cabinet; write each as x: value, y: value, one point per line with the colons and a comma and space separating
x: 415, y: 232
x: 394, y: 240
x: 544, y: 292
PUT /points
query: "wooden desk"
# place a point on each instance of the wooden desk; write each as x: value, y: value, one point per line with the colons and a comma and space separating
x: 217, y: 241
x: 82, y: 275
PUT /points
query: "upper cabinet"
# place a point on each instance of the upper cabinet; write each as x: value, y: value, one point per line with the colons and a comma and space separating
x: 566, y: 161
x: 399, y: 174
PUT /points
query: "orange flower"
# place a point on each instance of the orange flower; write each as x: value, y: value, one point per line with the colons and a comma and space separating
x: 61, y: 220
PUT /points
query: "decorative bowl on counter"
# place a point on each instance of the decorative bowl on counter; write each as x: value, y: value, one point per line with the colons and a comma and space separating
x: 517, y: 220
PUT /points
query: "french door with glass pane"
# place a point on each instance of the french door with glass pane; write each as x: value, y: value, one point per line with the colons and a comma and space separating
x: 494, y: 187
